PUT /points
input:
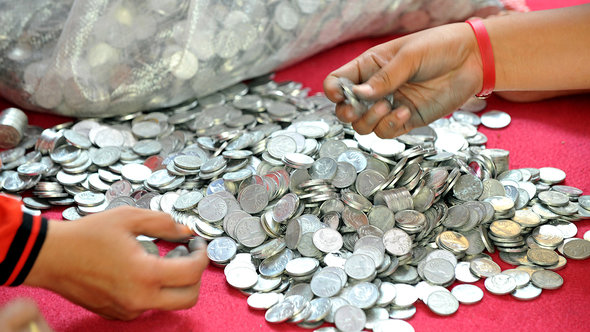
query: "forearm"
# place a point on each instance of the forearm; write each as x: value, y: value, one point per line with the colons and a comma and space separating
x: 545, y: 50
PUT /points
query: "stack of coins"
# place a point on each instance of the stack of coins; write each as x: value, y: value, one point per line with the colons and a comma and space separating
x: 13, y: 123
x: 309, y: 221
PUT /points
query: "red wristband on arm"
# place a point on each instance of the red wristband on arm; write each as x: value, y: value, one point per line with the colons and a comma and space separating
x: 487, y: 57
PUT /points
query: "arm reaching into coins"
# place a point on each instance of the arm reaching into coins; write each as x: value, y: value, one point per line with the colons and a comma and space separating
x: 97, y: 263
x: 433, y: 72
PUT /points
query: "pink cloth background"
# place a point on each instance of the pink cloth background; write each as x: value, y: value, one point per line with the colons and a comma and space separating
x: 549, y: 133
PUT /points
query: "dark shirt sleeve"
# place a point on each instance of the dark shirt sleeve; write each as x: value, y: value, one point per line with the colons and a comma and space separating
x: 21, y: 238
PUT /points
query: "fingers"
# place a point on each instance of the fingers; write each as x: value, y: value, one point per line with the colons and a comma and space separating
x: 379, y: 71
x: 181, y: 271
x: 371, y: 118
x: 176, y: 298
x: 395, y: 123
x: 388, y: 78
x: 359, y: 69
x: 345, y: 113
x: 151, y: 223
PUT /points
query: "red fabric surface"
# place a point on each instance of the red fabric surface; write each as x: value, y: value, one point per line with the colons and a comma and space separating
x: 550, y: 133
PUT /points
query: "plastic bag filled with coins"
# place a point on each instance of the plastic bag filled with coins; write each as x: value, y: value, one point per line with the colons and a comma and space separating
x: 102, y: 58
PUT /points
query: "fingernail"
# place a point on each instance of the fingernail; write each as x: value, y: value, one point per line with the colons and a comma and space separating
x: 364, y: 90
x: 403, y: 113
x: 197, y: 243
x: 179, y: 251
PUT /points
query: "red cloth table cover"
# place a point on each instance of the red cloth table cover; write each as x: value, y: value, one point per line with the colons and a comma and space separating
x: 549, y: 133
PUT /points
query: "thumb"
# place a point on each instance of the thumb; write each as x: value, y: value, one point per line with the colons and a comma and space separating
x: 152, y: 223
x: 387, y: 79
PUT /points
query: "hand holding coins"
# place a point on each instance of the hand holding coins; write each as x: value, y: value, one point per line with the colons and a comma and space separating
x: 425, y: 81
x: 101, y: 266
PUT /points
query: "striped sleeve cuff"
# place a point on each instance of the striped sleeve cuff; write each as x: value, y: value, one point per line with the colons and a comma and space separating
x: 23, y: 251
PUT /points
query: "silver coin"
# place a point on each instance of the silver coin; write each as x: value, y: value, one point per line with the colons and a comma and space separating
x: 521, y: 277
x: 326, y: 284
x: 359, y: 266
x: 546, y: 279
x: 551, y: 175
x: 36, y: 203
x: 528, y: 292
x: 500, y: 284
x: 584, y: 202
x: 443, y: 303
x: 190, y: 162
x: 89, y: 198
x: 253, y: 198
x: 397, y: 242
x: 349, y: 318
x: 86, y: 210
x: 77, y: 139
x: 484, y: 267
x: 467, y: 294
x: 249, y: 232
x: 577, y: 248
x: 323, y: 168
x: 212, y: 208
x: 327, y: 240
x: 71, y: 214
x: 120, y: 201
x: 301, y: 266
x: 439, y: 271
x: 136, y: 172
x: 263, y: 301
x: 355, y: 158
x: 278, y: 146
x: 402, y: 313
x: 188, y: 201
x: 167, y: 202
x: 221, y: 250
x: 406, y: 295
x: 146, y: 129
x: 553, y: 198
x: 495, y: 119
x: 105, y: 156
x: 147, y: 147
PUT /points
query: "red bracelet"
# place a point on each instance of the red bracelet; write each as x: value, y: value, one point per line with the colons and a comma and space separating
x: 487, y: 57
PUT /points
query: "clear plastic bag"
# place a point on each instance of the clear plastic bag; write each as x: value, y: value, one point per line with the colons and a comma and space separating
x: 101, y: 58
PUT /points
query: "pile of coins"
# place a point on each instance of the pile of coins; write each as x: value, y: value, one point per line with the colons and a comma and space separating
x: 123, y: 56
x: 312, y: 221
x: 13, y: 123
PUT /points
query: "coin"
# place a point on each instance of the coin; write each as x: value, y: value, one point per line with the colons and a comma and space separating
x: 467, y: 294
x: 349, y: 318
x: 327, y: 240
x: 495, y: 119
x: 280, y: 312
x: 484, y: 267
x: 527, y: 292
x: 577, y: 249
x: 89, y: 198
x: 546, y: 279
x: 500, y: 284
x: 442, y: 303
x: 136, y: 172
x: 551, y: 175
